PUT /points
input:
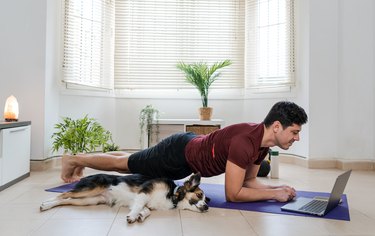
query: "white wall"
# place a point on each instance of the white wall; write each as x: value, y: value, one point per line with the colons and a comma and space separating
x: 22, y: 63
x: 335, y: 76
x: 52, y: 76
x: 323, y: 78
x: 341, y: 58
x: 356, y: 79
x: 302, y: 72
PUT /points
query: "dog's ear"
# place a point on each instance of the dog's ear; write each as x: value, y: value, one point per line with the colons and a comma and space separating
x: 179, y: 195
x: 193, y: 182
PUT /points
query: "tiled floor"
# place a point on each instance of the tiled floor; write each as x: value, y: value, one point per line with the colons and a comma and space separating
x: 19, y: 211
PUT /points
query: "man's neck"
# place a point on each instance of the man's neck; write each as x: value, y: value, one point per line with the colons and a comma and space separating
x: 268, y: 137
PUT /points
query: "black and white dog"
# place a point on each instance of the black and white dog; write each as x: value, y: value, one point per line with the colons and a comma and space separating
x: 140, y: 193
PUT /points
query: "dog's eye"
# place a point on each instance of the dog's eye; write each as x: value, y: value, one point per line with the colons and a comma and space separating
x: 199, y: 195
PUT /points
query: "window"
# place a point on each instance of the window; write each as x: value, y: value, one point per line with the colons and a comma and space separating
x: 153, y: 36
x: 88, y: 43
x: 141, y: 49
x: 269, y: 43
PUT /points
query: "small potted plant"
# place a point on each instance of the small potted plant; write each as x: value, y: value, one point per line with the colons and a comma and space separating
x: 202, y: 76
x: 147, y: 118
x: 81, y: 136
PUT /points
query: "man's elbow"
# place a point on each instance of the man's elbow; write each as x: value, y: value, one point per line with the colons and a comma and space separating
x: 231, y: 197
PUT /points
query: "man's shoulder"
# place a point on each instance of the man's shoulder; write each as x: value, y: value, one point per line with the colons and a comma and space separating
x: 245, y: 126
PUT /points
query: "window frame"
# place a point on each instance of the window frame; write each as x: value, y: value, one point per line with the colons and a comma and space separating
x: 186, y: 93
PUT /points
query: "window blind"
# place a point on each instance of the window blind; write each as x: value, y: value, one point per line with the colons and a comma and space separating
x: 89, y: 43
x: 269, y: 43
x: 153, y: 36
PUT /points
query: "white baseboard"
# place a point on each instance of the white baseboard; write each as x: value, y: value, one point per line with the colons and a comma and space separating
x: 329, y: 163
x: 47, y: 164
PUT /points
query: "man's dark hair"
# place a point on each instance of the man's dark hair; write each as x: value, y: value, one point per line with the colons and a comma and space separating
x: 287, y: 113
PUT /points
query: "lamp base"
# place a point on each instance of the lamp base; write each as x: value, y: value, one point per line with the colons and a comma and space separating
x: 10, y: 120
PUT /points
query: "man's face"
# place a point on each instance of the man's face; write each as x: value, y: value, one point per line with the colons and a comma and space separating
x: 286, y: 137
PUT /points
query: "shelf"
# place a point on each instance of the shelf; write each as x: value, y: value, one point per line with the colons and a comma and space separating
x: 167, y: 127
x: 189, y: 122
x: 15, y: 138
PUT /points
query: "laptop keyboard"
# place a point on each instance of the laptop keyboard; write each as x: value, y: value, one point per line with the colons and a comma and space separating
x: 314, y: 206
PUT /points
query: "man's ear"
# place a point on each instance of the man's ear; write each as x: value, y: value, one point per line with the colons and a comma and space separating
x: 276, y: 126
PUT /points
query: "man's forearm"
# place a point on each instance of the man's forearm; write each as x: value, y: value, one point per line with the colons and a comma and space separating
x: 256, y: 184
x: 282, y: 194
x: 252, y: 194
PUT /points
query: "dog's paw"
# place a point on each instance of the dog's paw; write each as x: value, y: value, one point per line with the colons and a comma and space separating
x: 143, y: 215
x: 134, y: 216
x: 140, y: 218
x: 130, y: 219
x: 45, y: 206
x: 49, y: 203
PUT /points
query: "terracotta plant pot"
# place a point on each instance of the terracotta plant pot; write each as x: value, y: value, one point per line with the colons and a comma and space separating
x: 205, y: 113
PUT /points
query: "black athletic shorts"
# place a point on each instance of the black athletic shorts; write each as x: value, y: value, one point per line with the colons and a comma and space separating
x: 165, y: 159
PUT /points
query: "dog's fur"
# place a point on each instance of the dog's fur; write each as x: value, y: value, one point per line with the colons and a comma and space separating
x: 140, y: 193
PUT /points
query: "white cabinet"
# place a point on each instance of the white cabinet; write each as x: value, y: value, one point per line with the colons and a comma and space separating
x: 14, y: 153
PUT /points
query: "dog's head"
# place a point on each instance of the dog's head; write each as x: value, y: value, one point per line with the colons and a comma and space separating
x: 190, y: 197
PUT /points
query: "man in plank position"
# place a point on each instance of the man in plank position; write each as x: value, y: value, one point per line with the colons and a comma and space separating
x: 236, y: 150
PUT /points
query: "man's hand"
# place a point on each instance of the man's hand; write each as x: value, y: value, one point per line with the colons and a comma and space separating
x: 284, y: 193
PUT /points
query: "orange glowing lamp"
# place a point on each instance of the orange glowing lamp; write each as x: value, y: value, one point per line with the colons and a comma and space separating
x: 11, y: 109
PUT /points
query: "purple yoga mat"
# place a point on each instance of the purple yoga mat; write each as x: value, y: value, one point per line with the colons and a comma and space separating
x: 62, y: 188
x: 217, y: 195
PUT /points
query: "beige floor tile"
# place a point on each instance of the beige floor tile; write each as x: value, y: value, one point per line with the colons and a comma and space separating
x: 212, y: 212
x: 82, y: 227
x: 20, y: 215
x: 153, y: 225
x: 272, y: 224
x: 33, y: 195
x: 85, y: 212
x: 216, y: 226
x: 359, y: 224
x: 24, y: 212
x: 154, y: 214
x: 19, y: 227
x: 12, y: 193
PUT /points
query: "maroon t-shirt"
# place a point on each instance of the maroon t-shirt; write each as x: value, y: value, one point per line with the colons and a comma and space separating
x: 239, y: 143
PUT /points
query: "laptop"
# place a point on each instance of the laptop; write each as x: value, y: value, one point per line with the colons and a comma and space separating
x: 320, y: 205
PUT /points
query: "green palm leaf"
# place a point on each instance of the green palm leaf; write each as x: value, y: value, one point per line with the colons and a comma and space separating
x: 202, y: 76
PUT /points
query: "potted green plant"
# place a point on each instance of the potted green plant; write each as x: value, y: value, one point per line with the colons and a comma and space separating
x: 202, y: 76
x: 110, y: 147
x: 81, y: 136
x: 148, y: 119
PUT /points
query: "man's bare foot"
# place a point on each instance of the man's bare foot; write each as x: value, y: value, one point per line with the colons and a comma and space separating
x: 78, y: 173
x: 70, y: 171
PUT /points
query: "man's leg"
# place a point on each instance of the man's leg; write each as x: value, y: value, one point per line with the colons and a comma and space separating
x: 166, y: 159
x: 72, y: 166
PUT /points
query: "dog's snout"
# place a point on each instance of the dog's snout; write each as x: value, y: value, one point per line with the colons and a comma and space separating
x: 203, y: 207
